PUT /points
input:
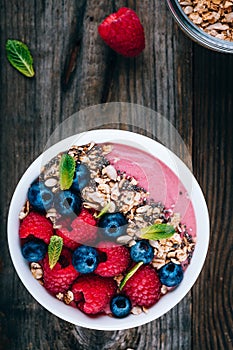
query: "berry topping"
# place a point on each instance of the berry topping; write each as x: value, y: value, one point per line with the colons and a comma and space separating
x: 63, y: 274
x: 40, y: 197
x: 83, y: 231
x: 85, y: 259
x: 171, y: 274
x: 34, y: 251
x: 81, y: 177
x: 144, y: 287
x: 120, y: 306
x: 114, y: 260
x: 36, y: 225
x: 123, y: 32
x: 69, y: 238
x: 113, y: 225
x: 142, y: 251
x: 84, y: 227
x: 68, y: 203
x: 92, y: 293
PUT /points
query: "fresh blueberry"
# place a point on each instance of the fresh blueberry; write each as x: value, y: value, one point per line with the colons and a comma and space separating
x: 81, y: 177
x: 171, y: 274
x: 85, y: 259
x: 142, y: 251
x: 113, y: 225
x: 120, y: 306
x: 40, y: 197
x: 68, y: 203
x: 34, y: 251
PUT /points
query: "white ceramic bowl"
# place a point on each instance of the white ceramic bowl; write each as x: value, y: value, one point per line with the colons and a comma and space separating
x: 168, y: 301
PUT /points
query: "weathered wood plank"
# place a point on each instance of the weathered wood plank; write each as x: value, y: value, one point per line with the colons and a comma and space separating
x: 212, y: 154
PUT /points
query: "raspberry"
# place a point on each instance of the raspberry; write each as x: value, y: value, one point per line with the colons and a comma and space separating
x: 117, y: 260
x: 60, y: 278
x: 84, y: 218
x: 37, y: 225
x: 123, y: 32
x: 144, y: 287
x: 92, y: 293
x: 83, y: 231
x: 68, y: 237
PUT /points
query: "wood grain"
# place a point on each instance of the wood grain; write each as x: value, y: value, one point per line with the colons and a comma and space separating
x: 212, y: 154
x: 185, y: 83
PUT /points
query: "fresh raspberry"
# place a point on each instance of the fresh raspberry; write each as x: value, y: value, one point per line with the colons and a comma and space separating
x: 123, y: 32
x: 92, y: 293
x: 69, y: 239
x: 84, y: 219
x: 116, y: 260
x: 84, y: 231
x: 60, y: 278
x: 144, y: 287
x: 37, y: 225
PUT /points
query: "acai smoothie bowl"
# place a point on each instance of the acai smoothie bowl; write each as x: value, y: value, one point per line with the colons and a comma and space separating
x: 108, y: 229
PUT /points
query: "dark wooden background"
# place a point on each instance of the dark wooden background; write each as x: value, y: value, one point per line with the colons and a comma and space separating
x: 188, y: 84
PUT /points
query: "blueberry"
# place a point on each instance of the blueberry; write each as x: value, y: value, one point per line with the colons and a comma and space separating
x: 114, y: 225
x: 85, y: 259
x: 40, y: 197
x: 142, y: 251
x: 81, y: 177
x: 68, y: 203
x: 120, y: 306
x: 34, y: 251
x: 171, y: 274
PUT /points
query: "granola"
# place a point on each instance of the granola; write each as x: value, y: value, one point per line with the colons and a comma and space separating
x: 215, y: 17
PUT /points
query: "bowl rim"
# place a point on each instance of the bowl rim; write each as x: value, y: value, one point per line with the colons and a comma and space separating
x: 53, y: 305
x: 196, y: 33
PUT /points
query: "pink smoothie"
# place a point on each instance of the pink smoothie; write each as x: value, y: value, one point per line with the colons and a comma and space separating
x: 159, y: 180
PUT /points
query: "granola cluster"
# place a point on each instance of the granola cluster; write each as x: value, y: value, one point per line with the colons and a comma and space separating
x: 178, y: 248
x: 107, y: 186
x: 215, y: 17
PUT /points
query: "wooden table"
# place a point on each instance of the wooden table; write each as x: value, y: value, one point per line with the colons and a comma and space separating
x: 189, y: 85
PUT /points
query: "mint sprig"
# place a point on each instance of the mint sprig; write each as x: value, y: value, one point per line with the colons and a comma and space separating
x: 103, y: 211
x: 66, y: 171
x: 54, y: 250
x: 130, y: 274
x: 20, y: 57
x: 157, y: 231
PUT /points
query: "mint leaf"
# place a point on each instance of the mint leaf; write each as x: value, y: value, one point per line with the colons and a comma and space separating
x: 130, y: 274
x: 54, y: 250
x: 103, y: 211
x: 66, y: 171
x: 157, y: 231
x: 20, y: 57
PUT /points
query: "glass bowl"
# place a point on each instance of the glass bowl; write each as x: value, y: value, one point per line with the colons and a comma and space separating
x: 195, y: 33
